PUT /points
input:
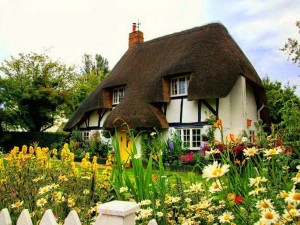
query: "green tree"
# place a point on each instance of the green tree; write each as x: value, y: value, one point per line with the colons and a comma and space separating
x: 292, y: 48
x: 35, y: 90
x: 93, y: 71
x: 284, y: 108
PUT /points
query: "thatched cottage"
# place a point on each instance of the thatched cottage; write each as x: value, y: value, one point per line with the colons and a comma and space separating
x: 176, y: 82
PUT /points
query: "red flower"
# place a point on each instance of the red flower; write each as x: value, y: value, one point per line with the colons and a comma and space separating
x: 238, y: 199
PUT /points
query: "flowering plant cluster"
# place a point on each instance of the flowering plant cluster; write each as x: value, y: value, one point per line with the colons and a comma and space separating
x: 260, y: 189
x: 33, y: 178
x: 188, y: 158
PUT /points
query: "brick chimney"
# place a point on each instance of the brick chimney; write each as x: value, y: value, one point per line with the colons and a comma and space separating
x: 136, y: 36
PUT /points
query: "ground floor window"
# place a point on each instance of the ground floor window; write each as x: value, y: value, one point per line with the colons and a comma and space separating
x: 85, y: 135
x: 190, y: 137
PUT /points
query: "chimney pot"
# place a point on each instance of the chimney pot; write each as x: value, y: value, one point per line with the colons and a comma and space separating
x: 135, y: 37
x: 134, y: 27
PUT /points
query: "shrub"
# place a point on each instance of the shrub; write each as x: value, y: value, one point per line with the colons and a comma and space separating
x: 10, y: 139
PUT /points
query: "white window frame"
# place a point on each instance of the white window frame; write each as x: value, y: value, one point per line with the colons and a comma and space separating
x: 187, y: 137
x: 175, y: 86
x: 85, y: 135
x: 118, y: 95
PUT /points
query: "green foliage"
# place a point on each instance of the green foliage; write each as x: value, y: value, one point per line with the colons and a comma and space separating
x: 172, y: 150
x: 93, y: 72
x: 10, y: 139
x: 94, y: 146
x: 151, y: 142
x: 292, y: 48
x: 35, y: 90
x: 284, y: 108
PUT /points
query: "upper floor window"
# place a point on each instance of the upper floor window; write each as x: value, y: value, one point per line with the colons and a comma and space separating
x: 190, y: 137
x: 118, y: 94
x: 179, y: 86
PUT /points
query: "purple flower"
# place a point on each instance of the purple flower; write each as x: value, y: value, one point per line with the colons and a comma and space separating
x: 171, y: 145
x: 112, y: 152
x: 201, y: 147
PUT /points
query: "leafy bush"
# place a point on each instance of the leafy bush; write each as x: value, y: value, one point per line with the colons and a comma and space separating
x: 10, y: 139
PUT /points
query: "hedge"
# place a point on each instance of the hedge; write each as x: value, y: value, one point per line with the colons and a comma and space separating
x: 48, y: 139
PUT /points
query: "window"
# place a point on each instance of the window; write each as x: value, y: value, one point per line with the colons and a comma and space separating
x: 118, y: 94
x: 190, y: 137
x: 85, y: 135
x: 179, y: 86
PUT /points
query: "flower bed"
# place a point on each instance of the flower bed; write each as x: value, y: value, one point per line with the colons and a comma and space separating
x: 247, y: 184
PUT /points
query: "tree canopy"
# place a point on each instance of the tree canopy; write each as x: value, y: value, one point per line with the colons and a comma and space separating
x: 292, y: 47
x: 284, y: 108
x: 93, y: 71
x: 34, y: 90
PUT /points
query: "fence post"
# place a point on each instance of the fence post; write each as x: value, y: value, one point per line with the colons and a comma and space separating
x: 117, y: 213
x: 5, y: 217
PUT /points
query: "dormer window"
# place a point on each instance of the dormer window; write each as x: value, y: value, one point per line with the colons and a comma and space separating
x: 179, y: 86
x: 118, y: 94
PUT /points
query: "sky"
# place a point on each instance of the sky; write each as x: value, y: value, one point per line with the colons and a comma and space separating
x: 68, y: 29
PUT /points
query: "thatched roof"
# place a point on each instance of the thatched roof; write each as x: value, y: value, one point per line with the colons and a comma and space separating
x: 207, y: 53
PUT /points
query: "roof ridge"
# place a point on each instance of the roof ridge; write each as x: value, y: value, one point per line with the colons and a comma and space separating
x: 203, y: 27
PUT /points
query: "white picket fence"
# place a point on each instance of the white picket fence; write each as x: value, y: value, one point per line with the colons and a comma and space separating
x: 110, y: 213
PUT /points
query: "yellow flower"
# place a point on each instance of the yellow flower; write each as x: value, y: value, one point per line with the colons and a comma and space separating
x: 63, y: 178
x: 145, y: 202
x: 44, y: 190
x: 296, y: 179
x: 272, y: 152
x: 257, y: 191
x: 226, y: 217
x: 70, y: 202
x: 269, y: 216
x: 187, y: 200
x: 123, y: 189
x: 17, y: 204
x: 215, y: 170
x: 159, y: 214
x: 215, y: 187
x: 264, y: 204
x: 54, y: 151
x: 196, y: 187
x: 231, y: 196
x: 24, y: 149
x: 294, y: 197
x: 256, y: 181
x: 145, y: 213
x: 250, y: 151
x: 41, y: 202
x: 86, y: 191
x: 137, y: 156
x: 284, y: 194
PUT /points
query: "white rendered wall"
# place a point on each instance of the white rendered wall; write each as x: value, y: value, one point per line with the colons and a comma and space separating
x: 238, y: 106
x: 225, y: 115
x: 190, y: 111
x: 104, y: 117
x: 94, y: 117
x: 173, y: 111
x: 251, y: 107
x: 82, y: 125
x: 205, y: 112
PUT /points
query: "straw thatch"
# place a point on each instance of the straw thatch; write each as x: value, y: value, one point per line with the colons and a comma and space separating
x: 207, y: 53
